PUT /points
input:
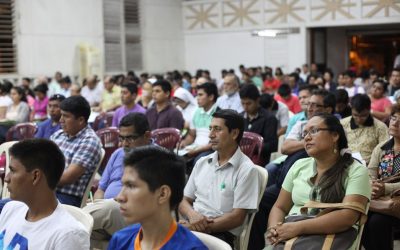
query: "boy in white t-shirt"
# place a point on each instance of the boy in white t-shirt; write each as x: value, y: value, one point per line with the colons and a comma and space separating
x: 35, y: 218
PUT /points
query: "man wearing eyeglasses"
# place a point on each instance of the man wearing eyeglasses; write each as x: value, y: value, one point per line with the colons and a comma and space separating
x: 363, y: 131
x: 134, y: 132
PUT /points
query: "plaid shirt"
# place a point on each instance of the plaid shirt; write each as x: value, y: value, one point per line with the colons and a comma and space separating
x: 83, y: 149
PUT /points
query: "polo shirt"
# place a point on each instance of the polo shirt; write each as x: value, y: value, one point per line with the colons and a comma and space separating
x: 169, y: 117
x: 110, y: 181
x: 181, y: 239
x: 297, y: 182
x: 46, y: 129
x: 217, y: 190
x: 123, y: 111
x: 230, y: 102
x: 201, y: 123
x: 83, y: 149
x: 365, y: 138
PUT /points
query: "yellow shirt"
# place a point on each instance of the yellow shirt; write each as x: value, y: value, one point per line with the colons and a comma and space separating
x: 111, y: 99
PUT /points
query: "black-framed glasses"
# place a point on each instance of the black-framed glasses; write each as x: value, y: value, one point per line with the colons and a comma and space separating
x: 129, y: 138
x: 315, y: 105
x: 313, y: 131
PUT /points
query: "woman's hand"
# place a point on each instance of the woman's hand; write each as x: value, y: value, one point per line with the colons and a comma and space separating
x: 272, y: 235
x: 378, y: 189
x: 286, y: 231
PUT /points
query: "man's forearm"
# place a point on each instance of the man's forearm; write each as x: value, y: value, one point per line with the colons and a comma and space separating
x: 291, y: 146
x: 227, y: 222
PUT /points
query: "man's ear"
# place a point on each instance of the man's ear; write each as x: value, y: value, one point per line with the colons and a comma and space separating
x: 36, y: 176
x: 164, y: 194
x: 235, y: 133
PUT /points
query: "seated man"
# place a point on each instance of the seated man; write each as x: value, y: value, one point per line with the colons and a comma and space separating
x: 231, y: 98
x: 133, y: 132
x: 35, y: 219
x: 153, y: 183
x: 363, y: 131
x: 258, y: 120
x: 128, y: 96
x: 81, y: 148
x: 163, y: 114
x: 197, y: 139
x: 50, y: 126
x: 223, y: 187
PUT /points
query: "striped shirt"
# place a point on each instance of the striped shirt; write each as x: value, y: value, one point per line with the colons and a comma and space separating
x: 83, y: 149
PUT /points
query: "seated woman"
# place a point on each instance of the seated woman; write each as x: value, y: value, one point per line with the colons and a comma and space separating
x: 385, y: 162
x: 185, y: 103
x: 40, y: 104
x: 329, y: 175
x: 381, y: 106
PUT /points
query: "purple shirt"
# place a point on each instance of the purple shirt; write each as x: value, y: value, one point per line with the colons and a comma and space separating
x: 123, y: 111
x: 46, y: 129
x: 169, y: 117
x: 110, y: 181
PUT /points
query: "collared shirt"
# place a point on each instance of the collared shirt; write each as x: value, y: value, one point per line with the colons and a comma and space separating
x: 264, y: 124
x: 110, y: 181
x: 84, y: 150
x: 364, y: 139
x: 169, y: 117
x: 292, y: 121
x: 217, y: 190
x: 93, y: 96
x: 123, y: 111
x: 297, y: 130
x: 292, y: 103
x: 201, y: 123
x: 230, y: 102
x: 46, y: 129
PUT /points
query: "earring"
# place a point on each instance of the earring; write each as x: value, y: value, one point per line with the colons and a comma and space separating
x: 335, y: 150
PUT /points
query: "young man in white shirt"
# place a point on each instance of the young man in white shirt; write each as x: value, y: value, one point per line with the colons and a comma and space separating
x: 34, y: 219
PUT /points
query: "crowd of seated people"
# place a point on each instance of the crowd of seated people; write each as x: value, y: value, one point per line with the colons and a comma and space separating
x: 323, y: 121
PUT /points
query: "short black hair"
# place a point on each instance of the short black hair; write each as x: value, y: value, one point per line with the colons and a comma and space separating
x: 233, y: 120
x: 131, y: 87
x: 158, y: 166
x: 267, y: 101
x: 137, y: 120
x: 165, y: 86
x: 42, y: 88
x: 295, y: 75
x: 57, y: 97
x: 342, y: 96
x: 284, y: 90
x: 42, y: 154
x: 210, y: 89
x: 329, y: 98
x: 310, y: 88
x: 360, y: 102
x: 249, y: 91
x: 77, y: 105
x: 349, y: 73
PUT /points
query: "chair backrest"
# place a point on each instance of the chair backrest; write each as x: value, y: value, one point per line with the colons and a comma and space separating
x: 251, y: 145
x: 213, y: 243
x: 109, y: 140
x: 166, y: 137
x: 245, y: 234
x: 105, y: 119
x: 83, y: 217
x: 89, y: 185
x: 21, y: 131
x: 4, y: 148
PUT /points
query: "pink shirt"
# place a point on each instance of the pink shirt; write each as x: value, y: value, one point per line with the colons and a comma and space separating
x: 379, y: 105
x: 292, y: 103
x: 40, y: 108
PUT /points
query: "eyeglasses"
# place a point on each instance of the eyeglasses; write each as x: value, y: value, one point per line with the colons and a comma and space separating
x: 129, y: 138
x: 394, y: 118
x: 313, y: 131
x: 315, y: 105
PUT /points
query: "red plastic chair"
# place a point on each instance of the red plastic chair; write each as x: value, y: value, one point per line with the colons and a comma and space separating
x: 21, y: 131
x: 106, y: 119
x: 251, y: 145
x: 166, y: 137
x: 109, y: 140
